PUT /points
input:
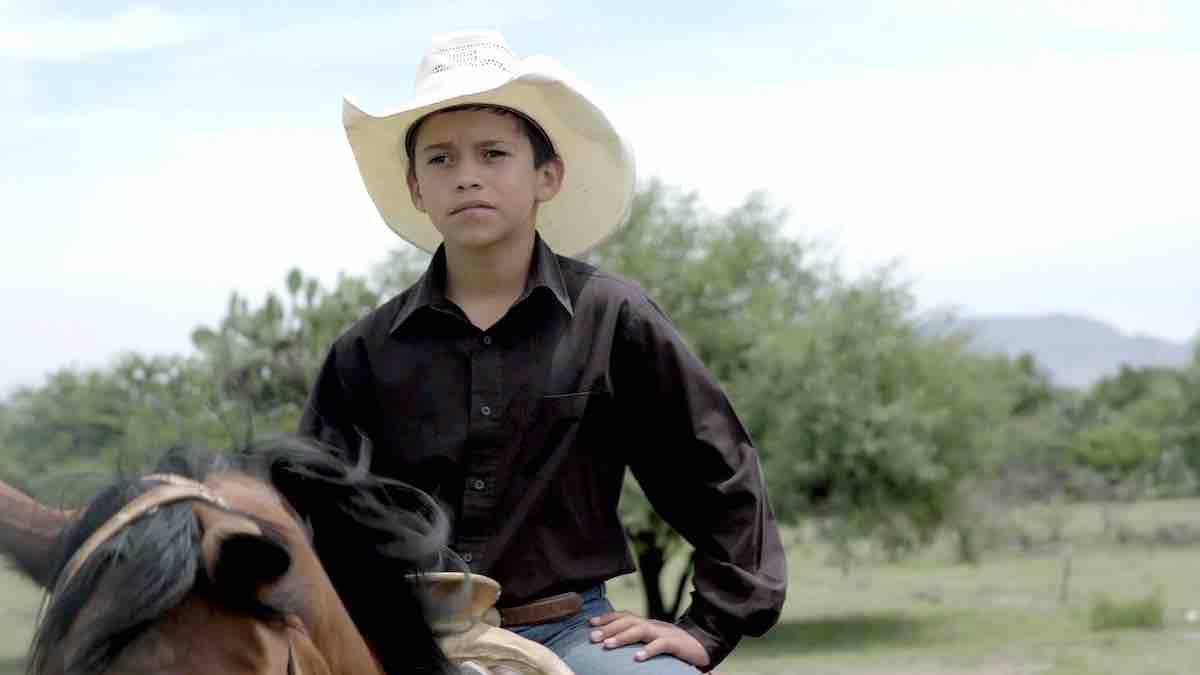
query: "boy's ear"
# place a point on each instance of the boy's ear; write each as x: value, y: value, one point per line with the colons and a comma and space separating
x: 414, y: 191
x: 549, y: 179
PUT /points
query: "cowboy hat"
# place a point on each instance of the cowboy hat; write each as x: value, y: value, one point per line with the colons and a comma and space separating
x: 478, y: 67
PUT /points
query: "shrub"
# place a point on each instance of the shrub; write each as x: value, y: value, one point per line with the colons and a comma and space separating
x: 1146, y: 613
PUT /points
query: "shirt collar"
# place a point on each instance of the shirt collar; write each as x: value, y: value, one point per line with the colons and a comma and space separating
x: 545, y: 272
x: 430, y: 289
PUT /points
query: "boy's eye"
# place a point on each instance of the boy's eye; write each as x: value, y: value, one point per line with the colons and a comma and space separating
x: 437, y: 159
x: 493, y: 153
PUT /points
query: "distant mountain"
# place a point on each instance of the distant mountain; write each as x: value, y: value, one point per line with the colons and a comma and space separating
x: 1077, y: 351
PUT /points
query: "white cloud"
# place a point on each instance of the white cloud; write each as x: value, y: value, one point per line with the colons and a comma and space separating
x: 240, y: 206
x: 135, y: 261
x: 958, y: 172
x: 1142, y: 16
x: 66, y: 38
x: 1055, y: 186
x: 15, y: 85
x: 396, y: 38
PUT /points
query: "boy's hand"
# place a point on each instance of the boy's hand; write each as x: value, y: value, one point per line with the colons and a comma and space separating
x: 617, y: 629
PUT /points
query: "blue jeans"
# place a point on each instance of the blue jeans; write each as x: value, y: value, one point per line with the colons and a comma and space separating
x: 568, y: 638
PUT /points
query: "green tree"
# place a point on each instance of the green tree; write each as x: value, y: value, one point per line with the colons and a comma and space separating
x: 870, y: 425
x: 1189, y: 428
x: 67, y: 436
x: 1116, y: 448
x: 249, y: 376
x: 725, y: 281
x: 863, y: 420
x: 1138, y: 430
x: 261, y: 360
x: 399, y: 270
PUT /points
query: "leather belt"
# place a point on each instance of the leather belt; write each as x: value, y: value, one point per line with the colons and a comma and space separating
x: 542, y: 611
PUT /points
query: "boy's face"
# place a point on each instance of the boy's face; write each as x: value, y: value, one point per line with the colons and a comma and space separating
x: 473, y: 175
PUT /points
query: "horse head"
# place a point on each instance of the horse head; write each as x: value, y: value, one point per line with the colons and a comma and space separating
x: 281, y: 559
x: 209, y: 568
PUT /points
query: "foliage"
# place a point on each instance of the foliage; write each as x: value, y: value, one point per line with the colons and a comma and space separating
x: 400, y: 269
x: 871, y: 421
x: 863, y: 419
x: 1146, y: 612
x: 249, y: 376
x: 1116, y: 448
x: 1137, y: 423
x: 867, y: 423
x: 724, y: 281
x: 67, y: 435
x: 261, y: 360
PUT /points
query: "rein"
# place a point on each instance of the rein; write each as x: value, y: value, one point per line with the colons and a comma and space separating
x: 175, y: 488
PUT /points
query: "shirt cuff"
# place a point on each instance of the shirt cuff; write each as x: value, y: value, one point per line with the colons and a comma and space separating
x: 718, y: 647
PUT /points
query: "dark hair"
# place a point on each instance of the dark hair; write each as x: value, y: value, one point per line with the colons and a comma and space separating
x: 369, y: 532
x: 159, y: 562
x: 543, y: 149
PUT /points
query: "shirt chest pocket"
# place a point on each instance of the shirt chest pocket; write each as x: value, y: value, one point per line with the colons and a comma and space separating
x: 558, y: 423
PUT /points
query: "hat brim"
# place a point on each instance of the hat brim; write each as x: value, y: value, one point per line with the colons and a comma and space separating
x: 597, y: 192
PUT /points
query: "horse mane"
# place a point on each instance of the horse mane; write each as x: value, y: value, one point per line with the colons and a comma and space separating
x: 369, y: 532
x: 378, y: 532
x: 159, y: 556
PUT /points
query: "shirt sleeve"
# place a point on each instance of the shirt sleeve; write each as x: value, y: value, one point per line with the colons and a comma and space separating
x: 328, y: 412
x: 700, y: 471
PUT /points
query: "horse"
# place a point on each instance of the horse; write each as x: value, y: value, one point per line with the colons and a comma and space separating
x: 283, y: 558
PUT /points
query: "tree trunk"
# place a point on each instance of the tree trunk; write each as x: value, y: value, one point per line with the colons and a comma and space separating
x: 650, y: 559
x: 681, y: 586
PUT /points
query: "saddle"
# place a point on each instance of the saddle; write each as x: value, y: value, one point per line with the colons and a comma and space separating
x: 468, y: 627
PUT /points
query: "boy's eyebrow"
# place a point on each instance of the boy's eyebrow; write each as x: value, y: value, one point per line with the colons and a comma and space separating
x: 446, y: 145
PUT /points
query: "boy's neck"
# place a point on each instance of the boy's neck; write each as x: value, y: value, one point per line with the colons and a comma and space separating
x: 486, y: 282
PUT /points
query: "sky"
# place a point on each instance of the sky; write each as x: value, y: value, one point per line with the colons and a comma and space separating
x: 1011, y: 157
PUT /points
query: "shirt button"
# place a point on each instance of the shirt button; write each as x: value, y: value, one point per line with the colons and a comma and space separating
x: 478, y: 484
x: 487, y: 339
x: 485, y: 410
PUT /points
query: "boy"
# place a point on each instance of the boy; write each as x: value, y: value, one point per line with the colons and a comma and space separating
x: 516, y: 384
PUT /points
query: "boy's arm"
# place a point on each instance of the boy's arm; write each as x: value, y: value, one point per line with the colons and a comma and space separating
x: 328, y: 412
x: 701, y: 473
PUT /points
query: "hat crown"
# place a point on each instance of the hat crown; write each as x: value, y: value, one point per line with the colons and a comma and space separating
x: 464, y: 56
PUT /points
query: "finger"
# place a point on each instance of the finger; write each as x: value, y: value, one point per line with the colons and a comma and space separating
x: 607, y: 617
x: 616, y: 626
x: 660, y: 645
x: 639, y: 632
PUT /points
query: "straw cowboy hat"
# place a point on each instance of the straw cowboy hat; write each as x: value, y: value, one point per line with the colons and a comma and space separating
x: 479, y: 67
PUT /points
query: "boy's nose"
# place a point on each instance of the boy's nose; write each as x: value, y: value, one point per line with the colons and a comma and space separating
x: 468, y: 176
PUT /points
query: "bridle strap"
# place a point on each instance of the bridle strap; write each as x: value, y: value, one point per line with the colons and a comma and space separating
x: 175, y: 488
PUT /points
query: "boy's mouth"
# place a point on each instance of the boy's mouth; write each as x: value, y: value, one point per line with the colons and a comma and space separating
x: 467, y: 206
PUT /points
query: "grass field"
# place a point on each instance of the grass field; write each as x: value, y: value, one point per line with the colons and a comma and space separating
x: 930, y: 616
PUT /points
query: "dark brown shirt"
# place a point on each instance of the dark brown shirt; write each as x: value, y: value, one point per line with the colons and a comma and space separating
x: 525, y: 431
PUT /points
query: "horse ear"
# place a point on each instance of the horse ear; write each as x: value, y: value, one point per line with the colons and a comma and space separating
x: 29, y: 531
x: 237, y: 555
x: 249, y: 560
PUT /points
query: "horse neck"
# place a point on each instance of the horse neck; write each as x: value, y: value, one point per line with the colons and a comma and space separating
x: 325, y: 617
x: 329, y: 625
x: 29, y: 532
